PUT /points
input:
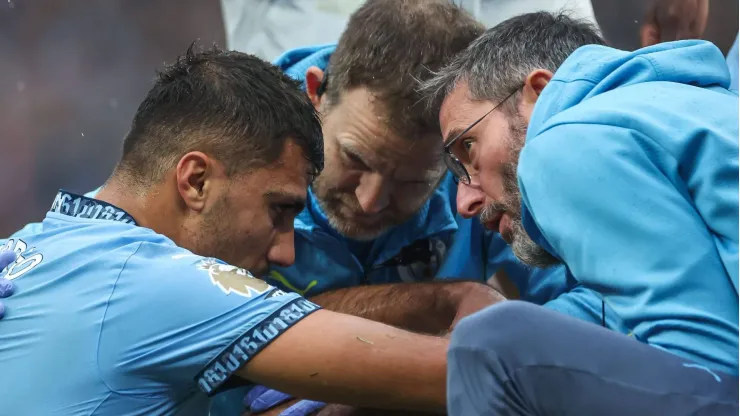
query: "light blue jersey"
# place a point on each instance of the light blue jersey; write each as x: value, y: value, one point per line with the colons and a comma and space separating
x: 629, y: 174
x: 110, y: 318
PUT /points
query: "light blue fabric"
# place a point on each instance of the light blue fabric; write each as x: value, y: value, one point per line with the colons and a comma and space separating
x: 113, y: 318
x: 630, y: 175
x: 732, y: 63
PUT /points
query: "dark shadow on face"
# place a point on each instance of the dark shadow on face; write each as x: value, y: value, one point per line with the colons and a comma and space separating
x: 250, y: 224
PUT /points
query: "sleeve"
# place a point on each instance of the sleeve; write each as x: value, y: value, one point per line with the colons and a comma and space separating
x: 611, y: 204
x: 732, y: 64
x: 180, y: 320
x: 588, y: 306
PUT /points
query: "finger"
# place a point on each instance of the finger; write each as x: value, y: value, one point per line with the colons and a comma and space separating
x: 649, y: 31
x: 683, y: 19
x: 6, y: 257
x: 268, y: 400
x: 6, y: 288
x: 649, y: 35
x: 253, y: 394
x: 702, y: 15
x: 303, y: 408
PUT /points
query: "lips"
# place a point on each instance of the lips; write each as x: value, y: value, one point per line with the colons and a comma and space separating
x: 493, y: 222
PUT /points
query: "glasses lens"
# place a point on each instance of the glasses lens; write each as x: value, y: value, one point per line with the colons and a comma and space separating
x: 457, y: 168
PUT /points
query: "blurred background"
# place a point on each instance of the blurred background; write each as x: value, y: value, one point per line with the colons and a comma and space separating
x: 74, y: 71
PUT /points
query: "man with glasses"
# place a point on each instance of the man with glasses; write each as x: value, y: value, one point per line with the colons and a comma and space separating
x: 624, y: 168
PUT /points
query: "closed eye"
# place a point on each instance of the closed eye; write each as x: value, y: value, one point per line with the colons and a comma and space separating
x: 355, y: 161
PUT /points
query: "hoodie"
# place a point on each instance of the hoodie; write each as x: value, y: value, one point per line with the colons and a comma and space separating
x: 629, y: 174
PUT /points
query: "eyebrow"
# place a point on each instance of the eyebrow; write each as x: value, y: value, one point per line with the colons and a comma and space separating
x: 351, y: 149
x: 456, y: 133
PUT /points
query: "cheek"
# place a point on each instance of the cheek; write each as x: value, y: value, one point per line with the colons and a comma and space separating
x: 490, y: 165
x: 407, y: 199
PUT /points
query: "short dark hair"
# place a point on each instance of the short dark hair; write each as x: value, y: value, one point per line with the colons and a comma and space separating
x: 389, y: 46
x: 233, y: 106
x: 498, y: 62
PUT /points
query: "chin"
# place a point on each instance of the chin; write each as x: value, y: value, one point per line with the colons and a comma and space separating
x: 352, y: 230
x: 360, y: 233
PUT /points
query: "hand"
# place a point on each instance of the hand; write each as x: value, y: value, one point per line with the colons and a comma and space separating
x: 6, y: 286
x: 668, y: 20
x: 261, y: 399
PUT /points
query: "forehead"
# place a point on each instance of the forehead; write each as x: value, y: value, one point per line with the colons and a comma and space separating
x: 361, y: 122
x: 458, y: 110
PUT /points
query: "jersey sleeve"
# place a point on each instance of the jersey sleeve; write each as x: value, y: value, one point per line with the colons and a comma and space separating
x: 612, y: 205
x: 176, y: 320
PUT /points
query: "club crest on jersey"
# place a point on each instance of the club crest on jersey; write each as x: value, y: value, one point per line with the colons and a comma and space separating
x: 232, y: 279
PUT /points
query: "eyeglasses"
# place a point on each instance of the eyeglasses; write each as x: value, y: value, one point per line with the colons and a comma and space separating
x: 453, y: 163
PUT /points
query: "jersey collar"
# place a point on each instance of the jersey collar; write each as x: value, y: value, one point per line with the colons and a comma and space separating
x: 78, y: 206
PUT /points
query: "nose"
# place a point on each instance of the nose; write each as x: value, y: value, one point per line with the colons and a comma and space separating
x: 373, y: 193
x: 282, y: 251
x: 470, y: 200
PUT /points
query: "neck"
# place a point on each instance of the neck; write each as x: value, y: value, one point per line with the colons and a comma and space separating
x: 145, y: 205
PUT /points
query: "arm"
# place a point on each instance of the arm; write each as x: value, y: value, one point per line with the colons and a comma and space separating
x: 424, y: 307
x: 501, y: 282
x: 615, y: 208
x: 586, y: 305
x: 430, y: 307
x: 339, y: 358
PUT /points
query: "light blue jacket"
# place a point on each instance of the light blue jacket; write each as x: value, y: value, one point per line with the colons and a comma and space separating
x: 630, y: 175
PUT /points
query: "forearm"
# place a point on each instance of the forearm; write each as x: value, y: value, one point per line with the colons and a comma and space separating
x: 344, y: 410
x: 338, y: 358
x: 429, y: 307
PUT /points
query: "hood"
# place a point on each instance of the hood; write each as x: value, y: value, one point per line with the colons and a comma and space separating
x: 295, y: 62
x: 593, y: 69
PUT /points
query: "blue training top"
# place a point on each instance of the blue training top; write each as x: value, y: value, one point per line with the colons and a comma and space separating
x: 630, y: 175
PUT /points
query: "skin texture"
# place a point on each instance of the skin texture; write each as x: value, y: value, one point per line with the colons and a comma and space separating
x: 428, y: 308
x: 373, y: 179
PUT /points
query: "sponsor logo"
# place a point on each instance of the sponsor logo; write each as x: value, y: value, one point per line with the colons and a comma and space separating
x: 277, y: 276
x: 24, y: 262
x: 232, y: 279
x: 236, y: 355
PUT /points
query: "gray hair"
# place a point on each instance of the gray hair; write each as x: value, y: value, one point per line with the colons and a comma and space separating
x: 497, y: 63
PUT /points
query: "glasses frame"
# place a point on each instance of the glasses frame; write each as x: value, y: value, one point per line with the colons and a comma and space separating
x: 453, y: 164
